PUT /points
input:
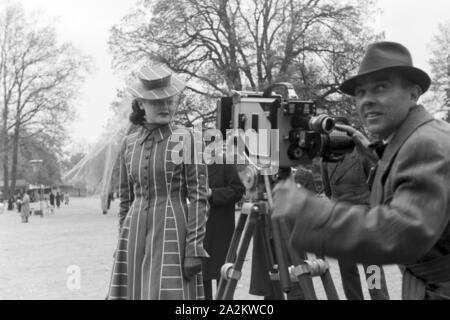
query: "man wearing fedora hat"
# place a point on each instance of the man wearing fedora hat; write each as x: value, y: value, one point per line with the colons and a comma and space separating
x: 407, y: 222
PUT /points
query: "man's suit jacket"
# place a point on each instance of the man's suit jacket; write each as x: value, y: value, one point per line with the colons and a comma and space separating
x: 348, y: 179
x: 408, y: 221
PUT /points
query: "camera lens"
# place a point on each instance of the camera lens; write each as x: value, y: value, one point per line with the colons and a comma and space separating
x: 339, y: 143
x: 322, y: 124
x: 328, y: 125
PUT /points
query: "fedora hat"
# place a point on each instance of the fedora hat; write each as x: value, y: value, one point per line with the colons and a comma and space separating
x: 387, y: 56
x: 156, y: 83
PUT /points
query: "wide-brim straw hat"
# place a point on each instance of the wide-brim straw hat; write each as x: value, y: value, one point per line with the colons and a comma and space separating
x: 387, y: 56
x: 156, y: 83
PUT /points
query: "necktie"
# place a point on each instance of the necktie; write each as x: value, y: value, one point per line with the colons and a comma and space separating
x: 378, y: 147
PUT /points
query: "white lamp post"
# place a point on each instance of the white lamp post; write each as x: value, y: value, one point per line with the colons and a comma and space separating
x: 36, y: 165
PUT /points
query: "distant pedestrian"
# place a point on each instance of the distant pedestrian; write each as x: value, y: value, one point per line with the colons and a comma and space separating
x: 66, y: 199
x: 51, y: 200
x: 19, y: 203
x: 11, y: 204
x: 110, y: 198
x: 58, y: 199
x: 25, y: 210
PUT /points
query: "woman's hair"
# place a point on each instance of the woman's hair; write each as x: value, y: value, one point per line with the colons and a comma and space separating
x: 137, y: 116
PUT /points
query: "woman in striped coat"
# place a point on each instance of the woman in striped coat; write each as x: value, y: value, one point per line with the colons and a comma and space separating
x: 160, y: 248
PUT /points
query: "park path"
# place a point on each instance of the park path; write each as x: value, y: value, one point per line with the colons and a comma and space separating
x: 36, y: 259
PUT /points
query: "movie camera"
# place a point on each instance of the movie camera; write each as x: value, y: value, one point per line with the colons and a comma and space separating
x: 295, y: 133
x: 289, y: 133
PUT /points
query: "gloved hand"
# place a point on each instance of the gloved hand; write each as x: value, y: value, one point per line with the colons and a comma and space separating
x: 288, y: 196
x: 192, y: 266
x: 305, y: 177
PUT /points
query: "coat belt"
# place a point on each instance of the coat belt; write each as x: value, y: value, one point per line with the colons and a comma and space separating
x: 417, y: 277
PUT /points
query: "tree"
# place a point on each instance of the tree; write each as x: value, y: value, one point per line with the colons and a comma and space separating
x: 440, y: 68
x: 49, y: 172
x: 234, y: 45
x: 39, y: 80
x: 71, y: 160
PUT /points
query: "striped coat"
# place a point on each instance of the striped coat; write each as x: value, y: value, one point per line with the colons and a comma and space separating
x: 25, y: 210
x: 158, y: 228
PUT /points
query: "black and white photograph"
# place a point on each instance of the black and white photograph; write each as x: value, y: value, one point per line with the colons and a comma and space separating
x: 201, y: 150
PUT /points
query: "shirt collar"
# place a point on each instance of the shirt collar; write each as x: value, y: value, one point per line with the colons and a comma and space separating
x: 388, y: 139
x: 158, y: 134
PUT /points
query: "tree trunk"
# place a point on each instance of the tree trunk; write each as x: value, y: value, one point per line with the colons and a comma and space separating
x: 4, y: 148
x: 5, y: 176
x: 233, y: 74
x: 15, y: 156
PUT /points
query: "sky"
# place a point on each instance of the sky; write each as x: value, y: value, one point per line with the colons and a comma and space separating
x: 86, y: 24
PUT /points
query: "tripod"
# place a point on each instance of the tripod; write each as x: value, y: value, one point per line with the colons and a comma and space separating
x: 255, y: 217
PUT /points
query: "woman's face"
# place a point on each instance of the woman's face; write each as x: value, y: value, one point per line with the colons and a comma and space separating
x: 159, y: 111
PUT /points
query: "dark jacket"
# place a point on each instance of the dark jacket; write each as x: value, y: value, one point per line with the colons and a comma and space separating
x: 227, y: 189
x: 52, y: 199
x: 408, y: 221
x: 348, y: 179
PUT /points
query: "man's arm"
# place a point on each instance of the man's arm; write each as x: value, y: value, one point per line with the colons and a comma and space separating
x: 361, y: 142
x: 401, y: 231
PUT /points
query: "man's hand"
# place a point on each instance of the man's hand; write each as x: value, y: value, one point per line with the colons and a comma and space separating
x: 192, y: 266
x: 361, y: 142
x: 287, y: 199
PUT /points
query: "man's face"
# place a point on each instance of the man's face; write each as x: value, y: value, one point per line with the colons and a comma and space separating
x: 383, y: 101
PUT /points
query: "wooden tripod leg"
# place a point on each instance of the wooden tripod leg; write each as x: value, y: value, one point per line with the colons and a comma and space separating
x: 231, y: 254
x: 235, y: 267
x: 304, y: 280
x: 281, y: 248
x: 328, y: 284
x: 268, y: 252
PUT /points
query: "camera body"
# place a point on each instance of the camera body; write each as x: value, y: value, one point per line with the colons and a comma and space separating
x: 289, y: 130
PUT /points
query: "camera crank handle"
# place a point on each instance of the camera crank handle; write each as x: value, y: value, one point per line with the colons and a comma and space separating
x: 350, y: 131
x: 283, y: 268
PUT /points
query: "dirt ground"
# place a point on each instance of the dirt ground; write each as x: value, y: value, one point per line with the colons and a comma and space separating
x: 38, y: 259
